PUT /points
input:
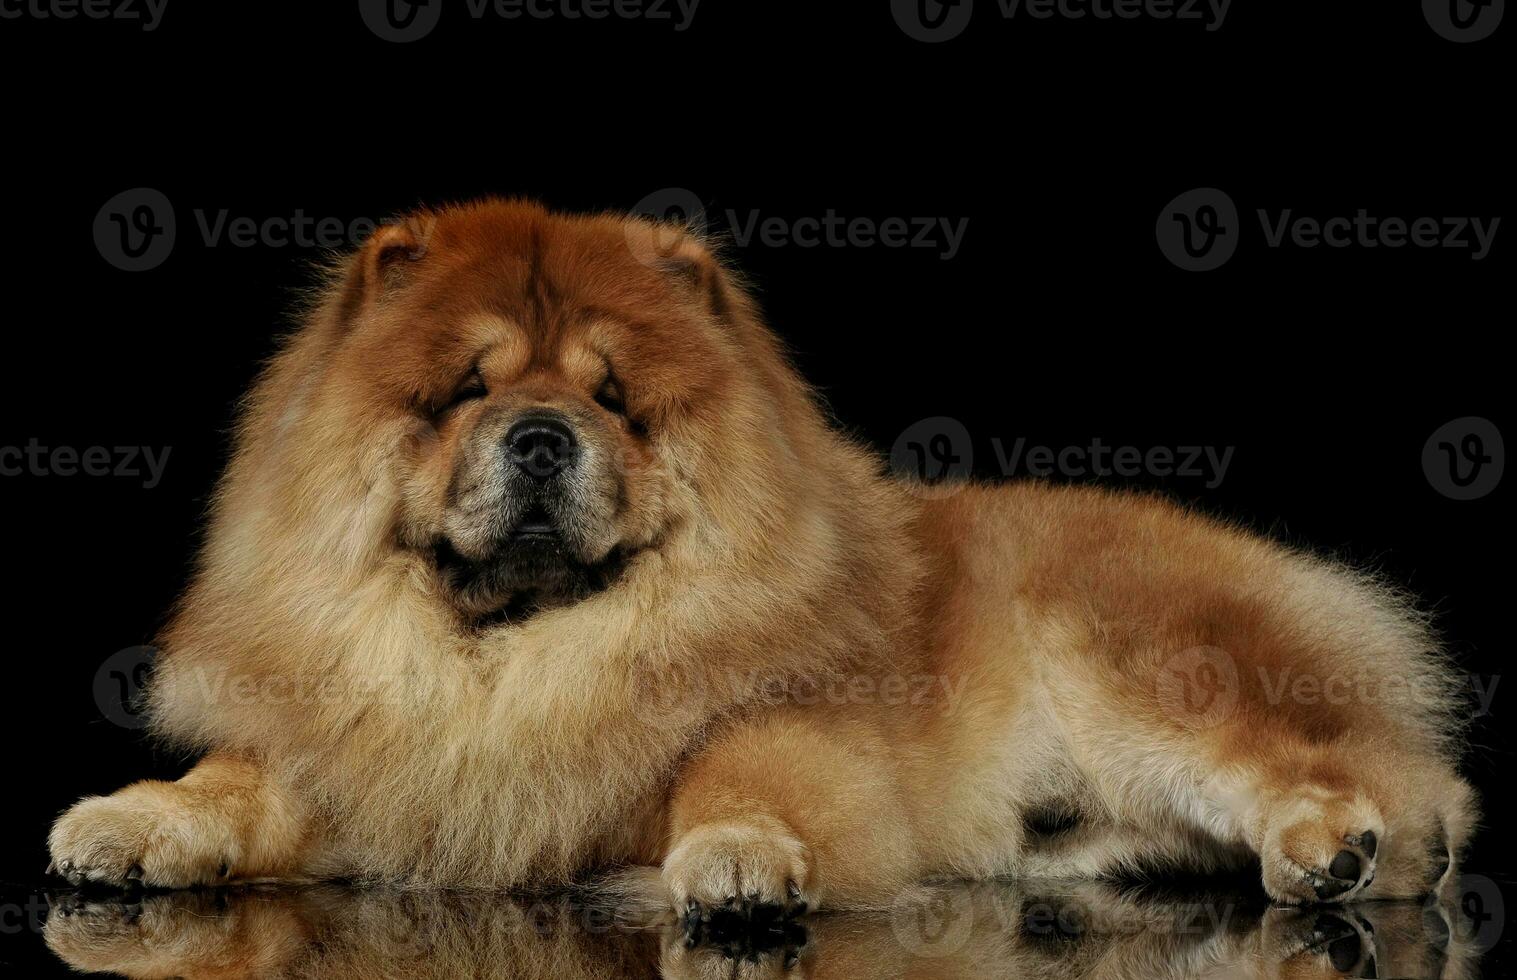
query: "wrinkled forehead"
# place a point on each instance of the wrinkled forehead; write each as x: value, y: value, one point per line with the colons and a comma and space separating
x: 540, y: 293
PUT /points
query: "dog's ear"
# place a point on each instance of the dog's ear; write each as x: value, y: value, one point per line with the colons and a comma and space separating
x: 385, y: 261
x: 700, y: 271
x: 690, y: 262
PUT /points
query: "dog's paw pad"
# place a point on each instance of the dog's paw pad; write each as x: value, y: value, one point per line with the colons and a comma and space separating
x: 1320, y: 850
x: 742, y: 867
x: 124, y: 843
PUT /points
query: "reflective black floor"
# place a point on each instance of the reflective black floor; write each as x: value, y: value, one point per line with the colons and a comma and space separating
x: 1041, y: 930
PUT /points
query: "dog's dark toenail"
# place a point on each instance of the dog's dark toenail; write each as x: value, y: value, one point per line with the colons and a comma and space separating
x: 1344, y: 953
x: 791, y: 959
x: 134, y: 873
x: 224, y: 870
x: 1345, y: 866
x: 1368, y: 842
x: 792, y: 889
x: 1327, y: 889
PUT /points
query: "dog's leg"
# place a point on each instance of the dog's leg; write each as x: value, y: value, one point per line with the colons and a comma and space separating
x: 792, y: 809
x: 225, y: 820
x: 1358, y: 815
x: 1330, y: 820
x: 1347, y: 821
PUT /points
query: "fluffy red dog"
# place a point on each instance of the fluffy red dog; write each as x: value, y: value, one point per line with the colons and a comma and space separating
x: 536, y: 556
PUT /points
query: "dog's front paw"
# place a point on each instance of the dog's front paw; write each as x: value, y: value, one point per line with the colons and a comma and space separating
x: 739, y: 866
x: 140, y: 836
x: 1320, y: 848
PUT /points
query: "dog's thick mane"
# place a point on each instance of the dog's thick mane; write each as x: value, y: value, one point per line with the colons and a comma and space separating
x: 309, y: 641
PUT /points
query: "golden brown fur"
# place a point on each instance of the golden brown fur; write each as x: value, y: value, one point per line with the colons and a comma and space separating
x: 771, y: 670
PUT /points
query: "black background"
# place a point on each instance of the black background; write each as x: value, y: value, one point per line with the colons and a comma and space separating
x: 1058, y: 321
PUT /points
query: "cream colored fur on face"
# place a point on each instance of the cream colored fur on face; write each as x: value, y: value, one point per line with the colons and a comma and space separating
x: 368, y: 734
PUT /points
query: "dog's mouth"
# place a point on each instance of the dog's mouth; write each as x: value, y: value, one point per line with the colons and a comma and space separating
x: 533, y: 567
x: 536, y: 523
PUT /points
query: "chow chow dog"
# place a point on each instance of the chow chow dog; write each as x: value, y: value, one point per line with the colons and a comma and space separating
x: 536, y: 557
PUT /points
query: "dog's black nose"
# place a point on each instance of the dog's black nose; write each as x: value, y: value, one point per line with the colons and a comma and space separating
x: 542, y: 444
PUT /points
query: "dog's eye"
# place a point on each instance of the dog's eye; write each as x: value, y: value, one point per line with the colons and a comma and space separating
x: 472, y: 387
x: 610, y: 397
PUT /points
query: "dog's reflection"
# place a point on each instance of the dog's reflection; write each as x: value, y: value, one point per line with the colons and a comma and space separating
x: 1046, y: 931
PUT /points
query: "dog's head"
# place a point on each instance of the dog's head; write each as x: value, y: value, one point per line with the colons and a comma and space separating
x: 548, y: 392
